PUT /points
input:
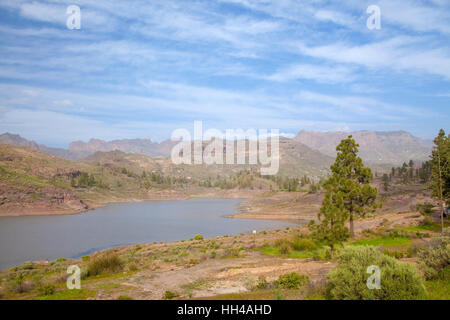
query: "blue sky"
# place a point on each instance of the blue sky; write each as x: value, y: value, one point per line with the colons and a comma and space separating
x: 141, y: 69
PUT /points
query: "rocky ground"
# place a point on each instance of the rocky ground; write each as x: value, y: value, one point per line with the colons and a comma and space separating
x: 221, y: 267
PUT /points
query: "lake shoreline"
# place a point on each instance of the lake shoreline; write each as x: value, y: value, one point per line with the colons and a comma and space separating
x: 95, y: 204
x: 122, y: 223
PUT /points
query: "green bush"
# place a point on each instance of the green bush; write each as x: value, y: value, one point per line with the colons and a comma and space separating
x: 48, y: 290
x: 394, y: 254
x: 169, y: 295
x: 411, y: 252
x: 434, y: 259
x: 427, y: 221
x: 132, y: 267
x: 348, y: 281
x: 283, y: 245
x: 108, y: 263
x: 262, y: 283
x: 20, y: 285
x: 124, y: 298
x: 285, y: 248
x: 303, y: 244
x: 425, y: 208
x: 292, y: 281
x: 198, y: 237
x: 28, y: 265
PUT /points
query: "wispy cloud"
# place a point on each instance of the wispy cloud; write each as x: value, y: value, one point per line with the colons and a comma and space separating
x: 400, y: 53
x: 140, y: 64
x: 319, y: 73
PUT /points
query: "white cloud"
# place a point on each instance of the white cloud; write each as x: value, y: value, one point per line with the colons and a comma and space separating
x: 335, y: 17
x: 325, y: 74
x: 171, y: 60
x: 399, y: 53
x: 365, y: 106
x: 416, y: 16
x: 55, y: 13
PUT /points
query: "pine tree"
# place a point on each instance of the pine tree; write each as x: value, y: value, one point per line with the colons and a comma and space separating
x: 353, y: 180
x: 83, y: 180
x: 331, y: 228
x: 385, y: 182
x: 440, y: 162
x: 72, y: 182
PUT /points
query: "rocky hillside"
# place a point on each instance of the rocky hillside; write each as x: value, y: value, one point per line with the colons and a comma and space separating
x: 17, y: 140
x: 309, y: 150
x: 137, y: 146
x: 79, y: 149
x: 296, y: 159
x: 34, y: 182
x: 391, y: 148
x: 31, y: 180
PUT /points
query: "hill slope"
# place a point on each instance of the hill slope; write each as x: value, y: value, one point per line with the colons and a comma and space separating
x: 17, y: 140
x: 309, y: 148
x: 137, y: 146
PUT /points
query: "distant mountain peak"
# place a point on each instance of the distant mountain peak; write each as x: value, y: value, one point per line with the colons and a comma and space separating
x: 137, y: 146
x: 377, y: 147
x: 17, y: 140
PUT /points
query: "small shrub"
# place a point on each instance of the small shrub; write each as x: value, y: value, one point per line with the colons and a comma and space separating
x: 198, y: 237
x: 61, y: 259
x: 193, y: 261
x: 317, y: 290
x: 284, y: 245
x: 132, y: 267
x: 124, y: 298
x: 411, y: 252
x: 232, y: 252
x: 427, y: 221
x: 425, y: 209
x: 262, y: 283
x: 348, y: 281
x: 169, y: 295
x: 394, y: 254
x: 285, y: 248
x: 85, y: 258
x: 27, y: 266
x: 292, y: 281
x: 328, y: 254
x: 303, y: 244
x: 20, y: 285
x: 104, y: 264
x: 48, y: 290
x: 434, y: 259
x: 395, y: 233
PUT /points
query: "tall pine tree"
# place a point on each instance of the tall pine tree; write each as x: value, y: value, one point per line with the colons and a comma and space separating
x: 332, y: 216
x: 353, y: 181
x: 440, y: 162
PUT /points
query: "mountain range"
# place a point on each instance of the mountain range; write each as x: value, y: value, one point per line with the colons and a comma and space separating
x: 392, y: 147
x: 313, y: 147
x: 35, y: 178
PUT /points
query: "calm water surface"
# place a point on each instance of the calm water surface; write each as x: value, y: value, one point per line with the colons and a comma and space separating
x: 51, y: 237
